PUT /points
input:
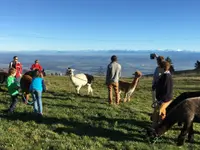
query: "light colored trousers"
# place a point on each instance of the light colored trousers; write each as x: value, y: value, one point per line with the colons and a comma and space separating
x: 37, y: 98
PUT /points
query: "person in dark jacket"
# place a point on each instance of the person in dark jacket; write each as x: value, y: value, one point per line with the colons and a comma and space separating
x: 157, y: 73
x: 164, y: 93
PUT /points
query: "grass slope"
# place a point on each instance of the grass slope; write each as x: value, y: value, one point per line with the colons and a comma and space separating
x: 81, y: 122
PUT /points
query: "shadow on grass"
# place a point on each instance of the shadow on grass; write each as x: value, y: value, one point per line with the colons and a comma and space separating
x: 138, y: 123
x: 68, y: 106
x: 103, y: 101
x: 65, y: 96
x: 78, y: 128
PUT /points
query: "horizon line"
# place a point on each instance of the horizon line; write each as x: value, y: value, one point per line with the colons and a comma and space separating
x: 43, y: 50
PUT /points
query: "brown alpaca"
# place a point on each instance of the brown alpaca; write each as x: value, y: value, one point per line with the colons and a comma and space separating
x: 129, y: 88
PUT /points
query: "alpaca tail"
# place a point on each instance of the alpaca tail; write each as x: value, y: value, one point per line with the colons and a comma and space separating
x: 90, y: 78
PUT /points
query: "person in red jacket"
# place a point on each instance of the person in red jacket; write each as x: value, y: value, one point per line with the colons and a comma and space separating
x: 18, y: 66
x: 36, y: 65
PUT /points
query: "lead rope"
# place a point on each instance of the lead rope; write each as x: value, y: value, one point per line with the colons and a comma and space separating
x: 26, y: 101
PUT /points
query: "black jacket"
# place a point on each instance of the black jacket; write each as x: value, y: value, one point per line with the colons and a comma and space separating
x: 164, y: 88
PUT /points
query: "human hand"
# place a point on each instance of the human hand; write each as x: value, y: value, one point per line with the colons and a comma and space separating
x: 153, y: 87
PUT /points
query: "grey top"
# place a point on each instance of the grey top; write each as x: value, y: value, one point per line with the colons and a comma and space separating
x: 113, y: 72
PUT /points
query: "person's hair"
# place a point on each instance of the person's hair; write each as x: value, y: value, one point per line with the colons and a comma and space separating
x: 36, y: 73
x: 160, y: 59
x: 11, y: 71
x: 14, y: 57
x: 165, y: 65
x: 36, y: 60
x: 114, y: 58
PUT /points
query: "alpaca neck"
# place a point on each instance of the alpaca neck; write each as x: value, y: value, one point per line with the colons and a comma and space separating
x: 134, y: 83
x: 72, y: 77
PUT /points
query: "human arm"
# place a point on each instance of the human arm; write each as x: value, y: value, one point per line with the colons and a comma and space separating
x: 43, y: 86
x: 10, y: 65
x: 32, y: 67
x: 120, y: 71
x: 108, y: 73
x: 11, y: 84
x: 155, y: 78
x: 20, y: 69
x: 40, y: 67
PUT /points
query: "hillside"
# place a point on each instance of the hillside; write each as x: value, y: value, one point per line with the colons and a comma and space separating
x: 88, y: 122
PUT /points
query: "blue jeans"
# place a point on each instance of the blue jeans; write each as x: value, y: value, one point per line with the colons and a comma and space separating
x: 37, y: 98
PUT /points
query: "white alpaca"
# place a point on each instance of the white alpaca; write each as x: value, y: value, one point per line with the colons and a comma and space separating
x: 80, y: 80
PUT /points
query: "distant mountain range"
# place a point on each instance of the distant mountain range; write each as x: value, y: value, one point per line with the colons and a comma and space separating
x: 96, y: 61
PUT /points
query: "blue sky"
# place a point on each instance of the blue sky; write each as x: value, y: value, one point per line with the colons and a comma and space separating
x: 99, y: 24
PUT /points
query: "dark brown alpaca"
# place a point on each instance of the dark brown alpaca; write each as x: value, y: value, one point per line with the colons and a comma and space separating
x: 129, y: 88
x: 3, y: 76
x: 182, y: 97
x: 25, y: 82
x: 186, y: 112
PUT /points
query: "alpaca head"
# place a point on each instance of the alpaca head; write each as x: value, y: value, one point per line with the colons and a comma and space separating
x: 70, y: 71
x: 138, y: 74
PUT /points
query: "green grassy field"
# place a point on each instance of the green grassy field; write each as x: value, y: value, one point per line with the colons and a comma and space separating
x: 88, y: 122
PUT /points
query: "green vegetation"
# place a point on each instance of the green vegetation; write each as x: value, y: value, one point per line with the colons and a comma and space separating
x: 87, y: 122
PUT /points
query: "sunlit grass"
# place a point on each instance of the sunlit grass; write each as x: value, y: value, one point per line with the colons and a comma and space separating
x: 88, y: 122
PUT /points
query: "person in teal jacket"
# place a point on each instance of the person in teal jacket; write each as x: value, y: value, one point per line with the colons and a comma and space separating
x: 36, y: 88
x: 13, y: 87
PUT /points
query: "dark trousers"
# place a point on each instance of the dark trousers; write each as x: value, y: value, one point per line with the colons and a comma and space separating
x: 13, y: 103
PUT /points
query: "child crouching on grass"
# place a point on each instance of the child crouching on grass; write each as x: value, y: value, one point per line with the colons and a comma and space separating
x: 36, y: 88
x: 13, y: 87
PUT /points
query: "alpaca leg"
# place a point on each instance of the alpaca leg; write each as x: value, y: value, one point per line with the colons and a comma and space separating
x: 191, y: 134
x: 88, y: 92
x: 120, y: 95
x: 184, y: 132
x: 129, y: 97
x: 125, y: 97
x: 90, y: 89
x: 78, y: 89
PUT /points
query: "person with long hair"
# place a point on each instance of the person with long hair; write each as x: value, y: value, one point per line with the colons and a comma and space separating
x: 164, y: 94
